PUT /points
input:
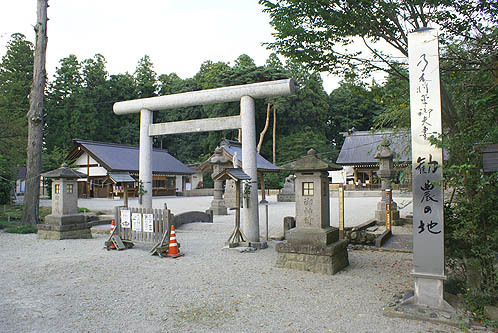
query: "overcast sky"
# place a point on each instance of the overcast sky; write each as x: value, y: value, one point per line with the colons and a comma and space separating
x: 178, y: 35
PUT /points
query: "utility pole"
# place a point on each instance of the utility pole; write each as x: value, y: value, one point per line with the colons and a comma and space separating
x: 35, y: 119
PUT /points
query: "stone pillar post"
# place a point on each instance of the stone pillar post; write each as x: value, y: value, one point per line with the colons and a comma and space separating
x: 145, y: 158
x: 250, y: 216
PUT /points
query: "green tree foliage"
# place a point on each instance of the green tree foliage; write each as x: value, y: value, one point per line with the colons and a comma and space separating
x: 16, y: 75
x: 471, y: 219
x: 146, y: 78
x: 352, y: 107
x: 64, y: 105
x: 123, y: 129
x: 321, y: 34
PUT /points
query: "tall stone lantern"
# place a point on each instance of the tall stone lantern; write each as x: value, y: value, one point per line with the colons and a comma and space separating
x: 313, y: 244
x: 386, y: 174
x: 217, y: 161
x: 64, y: 222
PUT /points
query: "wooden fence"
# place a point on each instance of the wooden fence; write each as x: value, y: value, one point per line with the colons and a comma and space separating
x: 142, y: 225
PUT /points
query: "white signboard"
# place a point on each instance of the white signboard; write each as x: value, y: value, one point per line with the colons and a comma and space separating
x: 136, y: 222
x: 125, y: 219
x: 148, y: 222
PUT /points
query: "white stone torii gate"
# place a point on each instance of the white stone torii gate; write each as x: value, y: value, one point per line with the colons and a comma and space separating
x: 246, y: 121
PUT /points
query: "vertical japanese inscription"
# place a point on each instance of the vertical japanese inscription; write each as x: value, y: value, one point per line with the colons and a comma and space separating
x: 427, y: 159
x: 308, y: 211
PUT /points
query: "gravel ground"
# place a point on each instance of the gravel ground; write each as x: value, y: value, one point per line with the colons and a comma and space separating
x: 77, y: 286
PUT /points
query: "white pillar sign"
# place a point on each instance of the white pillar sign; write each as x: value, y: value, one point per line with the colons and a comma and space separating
x: 427, y: 162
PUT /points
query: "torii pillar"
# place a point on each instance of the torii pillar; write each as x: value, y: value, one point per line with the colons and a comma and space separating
x: 246, y: 94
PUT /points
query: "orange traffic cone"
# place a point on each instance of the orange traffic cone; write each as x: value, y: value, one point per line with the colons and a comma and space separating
x: 113, y: 226
x: 173, y: 246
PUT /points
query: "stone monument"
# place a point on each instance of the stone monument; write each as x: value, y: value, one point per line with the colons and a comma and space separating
x: 218, y: 204
x: 65, y: 222
x: 313, y: 245
x: 386, y: 174
x: 288, y: 192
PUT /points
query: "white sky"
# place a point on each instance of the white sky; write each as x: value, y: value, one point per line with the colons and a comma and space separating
x: 178, y: 35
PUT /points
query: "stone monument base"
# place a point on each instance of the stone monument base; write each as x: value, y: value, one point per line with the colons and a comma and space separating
x: 64, y: 227
x: 303, y: 236
x: 286, y: 197
x: 326, y: 259
x: 218, y: 207
x: 380, y: 213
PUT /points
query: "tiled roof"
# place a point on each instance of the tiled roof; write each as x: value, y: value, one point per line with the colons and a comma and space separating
x: 125, y: 158
x: 361, y: 147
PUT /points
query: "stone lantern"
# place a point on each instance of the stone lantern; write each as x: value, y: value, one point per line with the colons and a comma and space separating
x: 313, y: 244
x: 386, y: 174
x: 217, y: 161
x: 64, y: 222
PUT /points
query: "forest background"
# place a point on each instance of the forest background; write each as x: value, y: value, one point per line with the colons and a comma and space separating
x: 80, y: 96
x: 313, y: 36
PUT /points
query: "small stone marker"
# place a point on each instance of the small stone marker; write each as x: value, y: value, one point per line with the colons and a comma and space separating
x: 313, y: 245
x: 64, y: 222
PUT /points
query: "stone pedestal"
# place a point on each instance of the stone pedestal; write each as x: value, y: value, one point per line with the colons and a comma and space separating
x: 319, y: 237
x: 64, y: 227
x: 380, y: 212
x: 328, y: 259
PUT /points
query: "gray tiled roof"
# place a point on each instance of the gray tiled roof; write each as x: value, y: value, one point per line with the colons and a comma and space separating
x: 125, y: 158
x: 361, y: 147
x: 234, y: 173
x: 64, y: 172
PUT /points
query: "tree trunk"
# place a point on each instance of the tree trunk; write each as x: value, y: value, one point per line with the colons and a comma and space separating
x: 263, y: 132
x: 274, y: 133
x: 35, y: 119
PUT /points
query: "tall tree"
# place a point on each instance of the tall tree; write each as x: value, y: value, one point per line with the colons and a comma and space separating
x: 35, y: 120
x: 65, y: 104
x: 351, y: 107
x: 124, y: 129
x: 16, y: 76
x: 146, y: 78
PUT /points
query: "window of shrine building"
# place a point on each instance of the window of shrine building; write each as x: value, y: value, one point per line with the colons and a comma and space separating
x: 308, y: 189
x: 57, y: 188
x: 70, y: 188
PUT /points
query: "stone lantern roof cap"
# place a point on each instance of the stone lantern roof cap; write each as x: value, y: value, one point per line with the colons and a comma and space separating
x: 385, y: 151
x: 218, y: 157
x: 64, y: 172
x: 311, y: 162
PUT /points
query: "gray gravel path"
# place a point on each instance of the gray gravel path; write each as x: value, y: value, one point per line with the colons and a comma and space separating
x: 77, y: 286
